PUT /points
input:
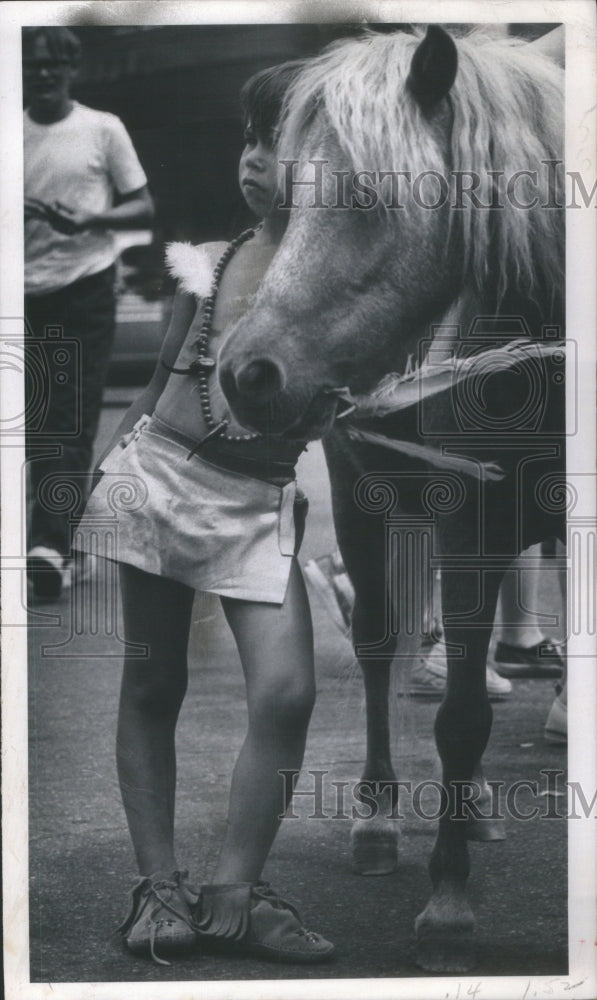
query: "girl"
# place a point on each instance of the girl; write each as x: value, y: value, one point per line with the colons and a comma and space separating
x: 213, y: 510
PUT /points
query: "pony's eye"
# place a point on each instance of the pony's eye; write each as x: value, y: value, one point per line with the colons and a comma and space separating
x: 250, y: 137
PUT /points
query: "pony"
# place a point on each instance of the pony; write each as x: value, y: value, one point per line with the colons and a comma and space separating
x: 412, y: 317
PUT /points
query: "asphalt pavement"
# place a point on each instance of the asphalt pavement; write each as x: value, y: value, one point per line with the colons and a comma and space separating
x: 81, y: 861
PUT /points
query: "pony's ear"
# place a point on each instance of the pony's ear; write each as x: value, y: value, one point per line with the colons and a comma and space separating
x: 433, y: 67
x: 552, y: 45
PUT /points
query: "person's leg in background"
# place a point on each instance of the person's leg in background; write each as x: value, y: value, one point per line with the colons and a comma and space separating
x: 522, y: 649
x: 68, y: 371
x: 52, y: 376
x: 556, y: 724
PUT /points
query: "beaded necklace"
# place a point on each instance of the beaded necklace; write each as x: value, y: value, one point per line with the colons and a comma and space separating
x: 203, y: 366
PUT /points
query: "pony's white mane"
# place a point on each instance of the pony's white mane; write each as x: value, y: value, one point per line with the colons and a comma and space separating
x: 507, y: 103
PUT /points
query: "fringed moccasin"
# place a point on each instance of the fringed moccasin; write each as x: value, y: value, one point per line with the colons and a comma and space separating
x: 159, y: 918
x: 249, y: 918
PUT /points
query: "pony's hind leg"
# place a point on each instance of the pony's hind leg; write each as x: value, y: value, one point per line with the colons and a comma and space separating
x: 445, y: 928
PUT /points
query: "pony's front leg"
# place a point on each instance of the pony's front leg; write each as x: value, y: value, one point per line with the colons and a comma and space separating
x: 445, y: 928
x: 363, y: 542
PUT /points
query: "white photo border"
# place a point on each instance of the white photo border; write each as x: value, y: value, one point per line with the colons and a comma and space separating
x: 578, y: 16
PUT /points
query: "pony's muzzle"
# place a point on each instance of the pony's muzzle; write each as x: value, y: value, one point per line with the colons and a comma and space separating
x: 257, y: 382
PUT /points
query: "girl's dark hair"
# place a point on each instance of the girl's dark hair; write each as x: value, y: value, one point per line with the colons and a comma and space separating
x: 263, y: 93
x: 61, y: 43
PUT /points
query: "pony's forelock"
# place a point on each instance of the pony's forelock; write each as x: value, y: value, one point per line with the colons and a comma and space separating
x: 507, y: 104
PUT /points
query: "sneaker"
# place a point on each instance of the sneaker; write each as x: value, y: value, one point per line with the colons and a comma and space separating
x: 556, y: 724
x: 542, y: 660
x: 429, y: 674
x: 45, y: 571
x: 249, y: 918
x: 78, y: 570
x: 434, y: 636
x: 331, y: 582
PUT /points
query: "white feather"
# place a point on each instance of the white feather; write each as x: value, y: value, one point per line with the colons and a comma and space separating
x: 193, y: 266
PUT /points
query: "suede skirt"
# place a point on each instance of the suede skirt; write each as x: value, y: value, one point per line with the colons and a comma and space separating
x: 191, y: 520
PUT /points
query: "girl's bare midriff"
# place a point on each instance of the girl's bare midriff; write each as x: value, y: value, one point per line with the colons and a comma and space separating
x: 179, y: 404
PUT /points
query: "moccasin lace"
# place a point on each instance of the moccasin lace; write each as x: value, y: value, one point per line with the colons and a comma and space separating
x: 155, y: 894
x: 264, y: 891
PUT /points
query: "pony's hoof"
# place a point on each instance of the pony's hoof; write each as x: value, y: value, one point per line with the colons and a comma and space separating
x: 446, y: 952
x: 374, y: 845
x: 485, y: 829
x: 446, y: 933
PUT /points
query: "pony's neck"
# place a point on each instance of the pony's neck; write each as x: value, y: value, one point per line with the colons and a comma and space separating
x: 454, y: 325
x: 475, y: 316
x: 543, y: 306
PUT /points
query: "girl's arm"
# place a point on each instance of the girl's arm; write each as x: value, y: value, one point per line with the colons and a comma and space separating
x: 183, y: 312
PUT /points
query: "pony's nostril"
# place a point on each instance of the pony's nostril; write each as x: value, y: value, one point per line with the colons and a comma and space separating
x: 260, y: 380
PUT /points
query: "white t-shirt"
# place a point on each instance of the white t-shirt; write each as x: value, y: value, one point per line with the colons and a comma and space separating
x: 80, y: 161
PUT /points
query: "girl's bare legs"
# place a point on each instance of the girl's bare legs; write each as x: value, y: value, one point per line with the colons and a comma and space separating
x: 157, y: 613
x: 276, y: 649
